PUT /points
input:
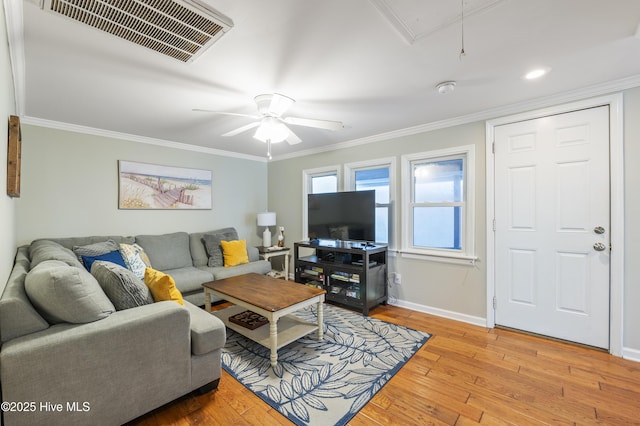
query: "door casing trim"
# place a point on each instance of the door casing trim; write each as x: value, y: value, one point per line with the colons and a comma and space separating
x: 616, y: 149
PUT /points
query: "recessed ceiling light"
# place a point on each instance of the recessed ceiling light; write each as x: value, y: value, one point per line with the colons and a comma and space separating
x: 537, y: 73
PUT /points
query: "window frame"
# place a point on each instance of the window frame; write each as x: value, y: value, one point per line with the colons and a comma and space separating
x: 467, y: 253
x: 350, y: 170
x: 307, y: 177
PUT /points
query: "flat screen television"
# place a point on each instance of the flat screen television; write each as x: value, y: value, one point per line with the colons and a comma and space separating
x: 344, y: 216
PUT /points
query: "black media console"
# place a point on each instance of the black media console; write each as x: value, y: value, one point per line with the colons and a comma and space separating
x: 354, y: 274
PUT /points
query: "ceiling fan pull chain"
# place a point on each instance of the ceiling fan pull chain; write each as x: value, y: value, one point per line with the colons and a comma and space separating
x: 269, y: 149
x: 462, y: 53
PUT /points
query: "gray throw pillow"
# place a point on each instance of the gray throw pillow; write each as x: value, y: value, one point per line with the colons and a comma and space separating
x: 95, y: 249
x: 62, y: 293
x: 122, y: 286
x: 212, y: 245
x: 41, y: 250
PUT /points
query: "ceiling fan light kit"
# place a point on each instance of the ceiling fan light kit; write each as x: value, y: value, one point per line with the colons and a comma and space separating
x: 272, y: 127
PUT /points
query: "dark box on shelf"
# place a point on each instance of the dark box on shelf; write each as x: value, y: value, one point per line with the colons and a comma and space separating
x: 249, y: 319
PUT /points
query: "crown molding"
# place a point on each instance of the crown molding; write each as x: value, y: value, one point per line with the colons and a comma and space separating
x: 490, y: 114
x: 134, y: 138
x: 493, y: 113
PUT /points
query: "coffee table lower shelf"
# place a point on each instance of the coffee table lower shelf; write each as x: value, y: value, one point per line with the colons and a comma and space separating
x: 290, y: 328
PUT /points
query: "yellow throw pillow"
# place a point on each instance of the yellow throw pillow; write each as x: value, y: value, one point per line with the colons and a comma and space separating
x: 162, y: 286
x: 234, y: 252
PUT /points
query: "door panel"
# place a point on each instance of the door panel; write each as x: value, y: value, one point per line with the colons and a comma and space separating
x: 551, y: 192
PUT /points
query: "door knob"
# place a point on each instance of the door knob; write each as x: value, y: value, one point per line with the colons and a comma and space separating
x: 598, y: 230
x: 599, y: 247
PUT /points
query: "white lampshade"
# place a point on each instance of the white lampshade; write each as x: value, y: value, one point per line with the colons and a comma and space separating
x: 266, y: 219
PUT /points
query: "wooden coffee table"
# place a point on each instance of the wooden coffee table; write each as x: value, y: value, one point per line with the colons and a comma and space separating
x: 272, y: 298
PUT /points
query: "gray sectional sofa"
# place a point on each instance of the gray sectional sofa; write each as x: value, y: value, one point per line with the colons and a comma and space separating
x: 122, y: 363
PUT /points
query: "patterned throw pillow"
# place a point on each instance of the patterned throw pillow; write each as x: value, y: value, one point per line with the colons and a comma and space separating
x: 95, y: 249
x: 135, y: 258
x: 121, y: 286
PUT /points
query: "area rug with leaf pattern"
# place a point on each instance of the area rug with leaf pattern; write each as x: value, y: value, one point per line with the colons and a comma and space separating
x: 324, y: 382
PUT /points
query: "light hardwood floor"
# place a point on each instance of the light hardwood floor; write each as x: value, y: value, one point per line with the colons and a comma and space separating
x: 463, y: 375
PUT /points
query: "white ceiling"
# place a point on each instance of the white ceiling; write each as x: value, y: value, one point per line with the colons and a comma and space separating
x: 372, y: 64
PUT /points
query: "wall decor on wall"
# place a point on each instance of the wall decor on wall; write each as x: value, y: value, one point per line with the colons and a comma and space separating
x: 14, y: 153
x: 150, y: 186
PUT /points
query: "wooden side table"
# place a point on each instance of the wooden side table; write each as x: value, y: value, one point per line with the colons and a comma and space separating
x: 268, y: 252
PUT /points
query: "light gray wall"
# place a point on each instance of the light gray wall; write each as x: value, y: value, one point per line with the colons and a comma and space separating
x: 455, y: 288
x: 7, y: 204
x: 631, y: 335
x: 70, y: 188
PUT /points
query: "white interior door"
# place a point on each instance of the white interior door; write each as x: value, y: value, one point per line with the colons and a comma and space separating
x: 552, y: 226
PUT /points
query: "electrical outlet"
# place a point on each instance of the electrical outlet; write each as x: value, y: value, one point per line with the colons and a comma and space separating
x: 397, y: 278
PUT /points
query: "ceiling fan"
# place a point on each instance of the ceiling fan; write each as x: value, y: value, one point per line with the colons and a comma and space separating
x: 271, y: 125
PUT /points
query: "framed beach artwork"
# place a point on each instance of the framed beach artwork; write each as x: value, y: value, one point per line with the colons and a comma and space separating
x: 145, y: 186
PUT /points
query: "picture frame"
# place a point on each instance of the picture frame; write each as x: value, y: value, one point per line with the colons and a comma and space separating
x: 14, y: 156
x: 143, y: 186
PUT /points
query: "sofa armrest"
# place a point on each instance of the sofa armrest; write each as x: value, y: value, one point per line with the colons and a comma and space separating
x: 253, y: 253
x: 126, y: 364
x: 208, y: 333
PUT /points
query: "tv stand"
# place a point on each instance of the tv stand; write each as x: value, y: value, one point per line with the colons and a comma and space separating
x: 354, y: 274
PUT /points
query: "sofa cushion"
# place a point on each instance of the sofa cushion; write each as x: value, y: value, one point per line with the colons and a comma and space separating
x: 167, y: 251
x: 189, y: 279
x: 113, y: 257
x: 42, y: 250
x: 213, y: 248
x: 95, y: 249
x: 234, y: 252
x: 71, y: 242
x: 135, y: 258
x: 122, y: 287
x: 162, y: 286
x: 259, y: 267
x: 62, y: 293
x: 17, y: 315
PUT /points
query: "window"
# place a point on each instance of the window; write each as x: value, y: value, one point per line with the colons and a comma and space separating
x: 375, y: 175
x: 317, y: 181
x: 438, y: 199
x: 323, y: 184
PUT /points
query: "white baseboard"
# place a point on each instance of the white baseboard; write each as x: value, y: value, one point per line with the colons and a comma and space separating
x: 631, y: 354
x: 470, y: 319
x: 627, y: 353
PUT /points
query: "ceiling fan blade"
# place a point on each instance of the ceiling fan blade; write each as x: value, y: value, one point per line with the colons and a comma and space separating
x: 226, y: 113
x: 319, y: 124
x: 292, y: 139
x: 242, y: 129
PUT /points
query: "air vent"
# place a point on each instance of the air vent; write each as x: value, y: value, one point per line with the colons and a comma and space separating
x: 182, y: 29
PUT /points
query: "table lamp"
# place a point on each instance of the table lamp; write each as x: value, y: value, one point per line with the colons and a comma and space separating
x: 266, y: 219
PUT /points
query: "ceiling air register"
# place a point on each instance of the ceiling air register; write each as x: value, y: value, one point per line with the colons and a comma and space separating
x: 182, y: 29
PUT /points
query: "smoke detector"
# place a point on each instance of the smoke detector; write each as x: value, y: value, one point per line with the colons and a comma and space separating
x: 446, y: 87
